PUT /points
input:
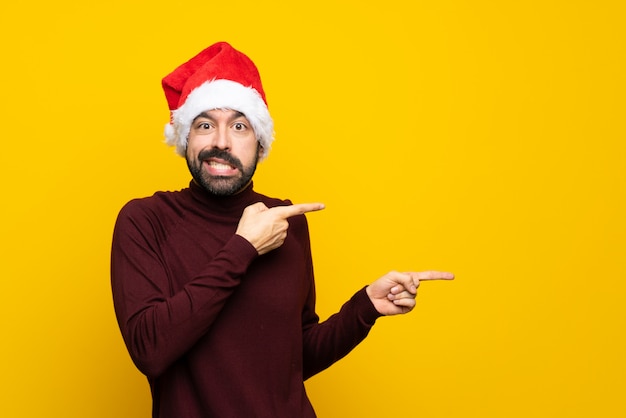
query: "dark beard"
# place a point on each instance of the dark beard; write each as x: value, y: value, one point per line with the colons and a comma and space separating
x: 221, y: 185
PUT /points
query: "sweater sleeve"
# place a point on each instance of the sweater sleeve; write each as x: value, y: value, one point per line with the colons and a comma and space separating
x: 329, y: 341
x: 158, y: 325
x: 326, y: 342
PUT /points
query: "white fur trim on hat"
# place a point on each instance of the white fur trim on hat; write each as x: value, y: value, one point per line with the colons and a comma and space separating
x: 221, y: 94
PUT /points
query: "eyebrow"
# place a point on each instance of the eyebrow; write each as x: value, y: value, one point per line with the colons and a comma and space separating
x: 205, y: 115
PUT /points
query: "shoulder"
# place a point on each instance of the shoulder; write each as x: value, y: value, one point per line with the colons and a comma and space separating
x: 298, y: 221
x: 161, y: 205
x: 155, y: 202
x: 271, y: 202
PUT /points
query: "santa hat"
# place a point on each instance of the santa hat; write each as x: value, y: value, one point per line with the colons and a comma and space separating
x: 219, y: 77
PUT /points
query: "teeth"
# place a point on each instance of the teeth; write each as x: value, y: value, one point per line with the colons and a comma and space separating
x: 219, y: 166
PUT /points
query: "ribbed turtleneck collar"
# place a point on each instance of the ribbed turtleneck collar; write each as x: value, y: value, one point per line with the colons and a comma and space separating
x: 232, y: 205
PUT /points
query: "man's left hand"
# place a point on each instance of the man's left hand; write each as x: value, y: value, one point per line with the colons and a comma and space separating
x: 395, y: 292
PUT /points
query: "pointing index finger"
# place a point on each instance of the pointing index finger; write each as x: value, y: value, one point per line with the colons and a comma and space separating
x: 297, y: 209
x: 432, y: 275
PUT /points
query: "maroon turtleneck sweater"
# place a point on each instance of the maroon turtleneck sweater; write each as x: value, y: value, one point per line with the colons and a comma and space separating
x: 219, y: 330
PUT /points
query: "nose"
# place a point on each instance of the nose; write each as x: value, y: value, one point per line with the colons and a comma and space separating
x: 222, y: 139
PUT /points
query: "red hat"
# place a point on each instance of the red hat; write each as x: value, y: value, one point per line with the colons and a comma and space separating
x: 219, y: 77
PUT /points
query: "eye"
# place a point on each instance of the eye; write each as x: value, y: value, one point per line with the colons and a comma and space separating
x: 239, y: 126
x: 203, y: 125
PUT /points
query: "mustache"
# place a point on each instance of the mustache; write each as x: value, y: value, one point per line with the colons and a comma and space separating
x: 222, y: 155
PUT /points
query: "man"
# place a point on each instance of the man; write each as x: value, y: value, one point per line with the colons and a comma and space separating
x: 213, y: 285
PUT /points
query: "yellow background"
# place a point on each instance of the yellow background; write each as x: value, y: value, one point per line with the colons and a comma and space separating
x: 484, y: 138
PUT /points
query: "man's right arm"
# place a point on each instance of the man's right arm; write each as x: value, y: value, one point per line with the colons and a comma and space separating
x: 159, y: 325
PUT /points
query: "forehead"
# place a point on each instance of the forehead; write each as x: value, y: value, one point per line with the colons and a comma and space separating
x: 218, y: 114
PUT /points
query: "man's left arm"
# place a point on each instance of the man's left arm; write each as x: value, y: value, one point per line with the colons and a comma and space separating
x: 329, y: 341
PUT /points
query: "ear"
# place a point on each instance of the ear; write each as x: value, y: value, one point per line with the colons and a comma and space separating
x: 259, y: 150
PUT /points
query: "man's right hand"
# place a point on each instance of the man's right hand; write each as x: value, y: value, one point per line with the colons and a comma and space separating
x: 266, y: 228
